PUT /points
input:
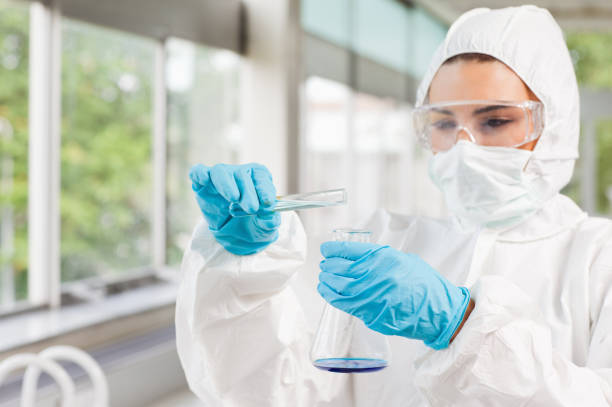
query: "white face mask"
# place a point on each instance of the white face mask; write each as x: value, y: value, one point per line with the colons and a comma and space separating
x: 486, y: 186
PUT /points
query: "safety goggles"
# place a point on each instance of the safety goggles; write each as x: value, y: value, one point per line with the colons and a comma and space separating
x: 489, y: 123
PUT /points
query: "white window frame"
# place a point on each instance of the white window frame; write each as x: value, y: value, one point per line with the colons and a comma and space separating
x: 160, y: 115
x: 43, y: 168
x: 44, y: 279
x: 205, y: 22
x: 44, y: 140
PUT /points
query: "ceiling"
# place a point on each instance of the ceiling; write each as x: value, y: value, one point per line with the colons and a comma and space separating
x: 572, y: 15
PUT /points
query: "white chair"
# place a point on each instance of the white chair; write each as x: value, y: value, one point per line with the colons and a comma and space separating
x: 47, y: 361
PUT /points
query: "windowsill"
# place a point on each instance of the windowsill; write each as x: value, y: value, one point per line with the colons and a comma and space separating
x: 91, y: 324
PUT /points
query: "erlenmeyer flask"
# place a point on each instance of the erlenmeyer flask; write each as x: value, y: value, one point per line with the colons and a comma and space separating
x: 343, y: 344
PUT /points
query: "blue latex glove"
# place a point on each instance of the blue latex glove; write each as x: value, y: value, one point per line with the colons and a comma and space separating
x: 394, y: 293
x: 251, y: 187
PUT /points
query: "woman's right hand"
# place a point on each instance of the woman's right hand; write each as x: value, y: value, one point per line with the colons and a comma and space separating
x: 250, y: 186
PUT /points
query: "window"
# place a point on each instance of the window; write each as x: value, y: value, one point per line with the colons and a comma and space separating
x: 324, y: 143
x: 106, y: 151
x: 14, y: 52
x: 136, y: 113
x: 203, y: 127
x: 591, y: 185
x: 364, y: 143
x: 393, y: 34
x: 604, y: 173
x: 356, y: 130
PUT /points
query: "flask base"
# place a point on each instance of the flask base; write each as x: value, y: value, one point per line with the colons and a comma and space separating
x: 350, y: 365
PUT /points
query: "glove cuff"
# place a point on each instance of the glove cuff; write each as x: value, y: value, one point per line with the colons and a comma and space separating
x: 244, y: 248
x: 443, y: 339
x: 242, y: 236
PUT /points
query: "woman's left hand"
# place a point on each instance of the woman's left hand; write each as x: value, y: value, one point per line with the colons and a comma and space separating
x: 394, y: 293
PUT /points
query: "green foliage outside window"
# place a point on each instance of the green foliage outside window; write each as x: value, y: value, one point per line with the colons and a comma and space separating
x: 106, y: 151
x: 592, y: 57
x: 14, y: 49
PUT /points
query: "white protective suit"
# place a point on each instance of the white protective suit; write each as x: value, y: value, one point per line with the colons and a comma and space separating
x: 540, y: 333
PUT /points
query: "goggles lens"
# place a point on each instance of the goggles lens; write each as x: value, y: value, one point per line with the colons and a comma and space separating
x: 503, y: 124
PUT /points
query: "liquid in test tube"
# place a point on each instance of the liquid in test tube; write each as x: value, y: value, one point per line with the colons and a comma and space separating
x: 308, y: 200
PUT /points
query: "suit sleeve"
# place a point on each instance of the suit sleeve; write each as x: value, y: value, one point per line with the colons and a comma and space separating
x: 242, y: 335
x: 504, y: 357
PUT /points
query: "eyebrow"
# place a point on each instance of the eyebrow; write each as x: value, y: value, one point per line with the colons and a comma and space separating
x: 443, y: 111
x: 476, y: 112
x: 490, y: 108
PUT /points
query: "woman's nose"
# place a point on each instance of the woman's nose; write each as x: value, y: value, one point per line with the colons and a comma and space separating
x: 463, y: 133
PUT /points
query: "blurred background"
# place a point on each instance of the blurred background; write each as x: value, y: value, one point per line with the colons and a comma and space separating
x: 104, y: 107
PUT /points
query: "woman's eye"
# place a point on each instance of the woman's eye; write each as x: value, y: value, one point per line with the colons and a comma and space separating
x: 496, y: 122
x: 444, y: 125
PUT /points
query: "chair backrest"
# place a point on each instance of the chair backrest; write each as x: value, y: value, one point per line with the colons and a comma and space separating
x: 47, y: 361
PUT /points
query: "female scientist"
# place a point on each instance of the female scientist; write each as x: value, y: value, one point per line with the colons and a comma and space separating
x: 507, y: 303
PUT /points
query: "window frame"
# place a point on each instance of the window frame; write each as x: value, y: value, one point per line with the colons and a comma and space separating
x: 44, y: 118
x: 45, y: 115
x: 45, y: 288
x: 270, y: 24
x: 594, y: 108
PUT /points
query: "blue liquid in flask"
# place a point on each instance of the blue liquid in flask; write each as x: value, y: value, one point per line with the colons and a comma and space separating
x: 350, y: 365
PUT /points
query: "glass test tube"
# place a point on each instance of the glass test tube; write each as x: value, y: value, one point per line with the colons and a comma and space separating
x: 308, y: 200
